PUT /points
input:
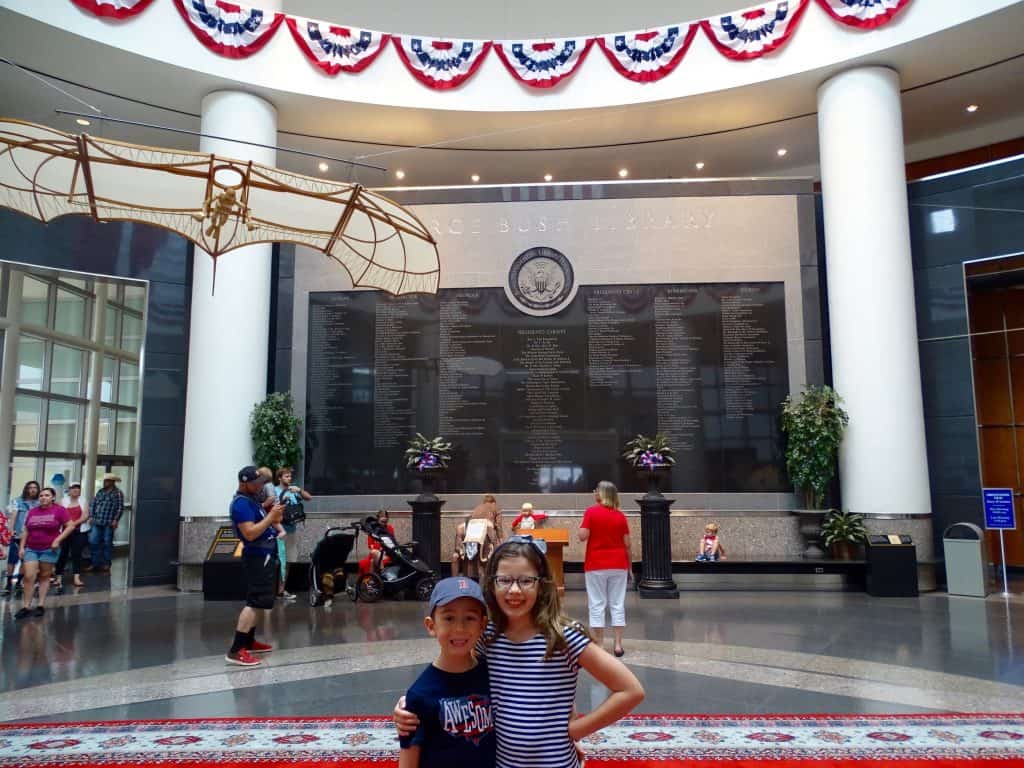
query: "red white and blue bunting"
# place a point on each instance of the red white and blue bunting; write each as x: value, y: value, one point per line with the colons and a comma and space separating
x: 336, y: 49
x: 647, y: 56
x: 239, y: 31
x: 863, y: 14
x: 234, y: 31
x: 113, y: 9
x: 753, y: 32
x: 438, y: 63
x: 543, y: 63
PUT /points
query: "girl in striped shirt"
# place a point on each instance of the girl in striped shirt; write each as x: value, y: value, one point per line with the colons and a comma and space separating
x: 534, y: 654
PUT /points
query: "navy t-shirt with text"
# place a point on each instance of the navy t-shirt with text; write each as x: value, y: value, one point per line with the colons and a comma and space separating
x: 245, y: 509
x: 456, y: 719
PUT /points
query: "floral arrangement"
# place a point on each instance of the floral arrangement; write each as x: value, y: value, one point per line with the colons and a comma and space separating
x: 428, y: 453
x: 649, y: 453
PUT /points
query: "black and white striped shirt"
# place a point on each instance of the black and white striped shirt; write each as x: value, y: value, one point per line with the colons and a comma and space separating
x: 532, y: 698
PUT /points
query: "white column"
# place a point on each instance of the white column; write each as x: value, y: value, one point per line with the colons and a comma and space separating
x: 9, y: 384
x: 228, y: 335
x: 92, y: 417
x: 882, y: 463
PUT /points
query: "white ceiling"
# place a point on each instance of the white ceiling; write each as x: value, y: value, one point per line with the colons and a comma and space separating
x: 734, y: 132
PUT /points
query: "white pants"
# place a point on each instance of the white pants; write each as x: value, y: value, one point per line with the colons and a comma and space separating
x: 607, y: 589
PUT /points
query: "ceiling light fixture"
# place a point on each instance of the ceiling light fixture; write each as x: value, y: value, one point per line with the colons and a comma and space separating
x: 399, y: 174
x: 323, y: 167
x: 972, y: 107
x: 475, y: 177
x: 82, y: 121
x: 623, y: 173
x: 548, y: 177
x: 699, y: 166
x: 781, y: 152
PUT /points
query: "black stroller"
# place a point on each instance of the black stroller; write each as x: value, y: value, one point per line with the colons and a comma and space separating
x: 404, y: 573
x: 329, y: 556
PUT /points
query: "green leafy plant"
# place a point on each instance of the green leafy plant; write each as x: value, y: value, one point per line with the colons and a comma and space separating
x: 649, y: 453
x: 275, y: 432
x: 814, y: 427
x: 843, y: 527
x: 427, y: 453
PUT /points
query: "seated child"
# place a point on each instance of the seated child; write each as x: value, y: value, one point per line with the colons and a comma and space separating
x: 452, y: 697
x: 528, y: 519
x: 711, y: 549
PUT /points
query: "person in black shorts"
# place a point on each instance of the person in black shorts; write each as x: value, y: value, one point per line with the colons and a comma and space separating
x: 256, y: 529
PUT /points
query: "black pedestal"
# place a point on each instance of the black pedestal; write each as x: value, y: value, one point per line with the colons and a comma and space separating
x: 656, y: 566
x: 892, y: 570
x: 426, y: 528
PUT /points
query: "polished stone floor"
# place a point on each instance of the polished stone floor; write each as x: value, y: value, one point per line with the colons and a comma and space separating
x: 154, y: 652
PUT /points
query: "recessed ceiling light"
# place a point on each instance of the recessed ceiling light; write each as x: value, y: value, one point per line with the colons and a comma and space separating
x: 699, y: 166
x: 548, y: 177
x: 623, y: 173
x: 475, y: 177
x: 82, y: 121
x: 781, y: 152
x: 323, y: 167
x: 972, y: 107
x: 399, y: 174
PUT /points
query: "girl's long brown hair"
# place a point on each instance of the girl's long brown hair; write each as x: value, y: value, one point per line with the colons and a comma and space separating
x: 547, y: 611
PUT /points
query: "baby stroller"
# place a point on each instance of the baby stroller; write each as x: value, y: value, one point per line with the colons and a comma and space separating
x: 329, y: 556
x: 405, y: 573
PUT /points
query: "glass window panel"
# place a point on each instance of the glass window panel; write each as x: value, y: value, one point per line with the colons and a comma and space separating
x: 131, y: 332
x: 108, y: 379
x: 70, y: 313
x: 80, y: 284
x: 105, y: 438
x: 135, y: 297
x: 23, y: 469
x: 31, y: 352
x: 110, y: 331
x: 125, y: 443
x: 63, y: 467
x: 27, y: 420
x: 128, y: 384
x: 62, y: 427
x: 34, y: 296
x: 66, y: 375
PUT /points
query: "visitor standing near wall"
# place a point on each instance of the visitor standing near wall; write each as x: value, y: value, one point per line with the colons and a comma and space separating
x: 74, y: 544
x: 46, y: 527
x: 107, y: 508
x: 287, y: 493
x: 605, y: 531
x: 256, y: 528
x: 19, y: 509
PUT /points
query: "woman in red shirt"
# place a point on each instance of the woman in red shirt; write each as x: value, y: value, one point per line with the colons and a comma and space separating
x: 607, y: 564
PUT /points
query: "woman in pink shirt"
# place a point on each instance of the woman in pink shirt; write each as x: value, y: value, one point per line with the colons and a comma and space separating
x: 46, y: 527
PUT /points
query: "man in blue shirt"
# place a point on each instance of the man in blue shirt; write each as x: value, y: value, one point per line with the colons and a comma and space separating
x: 259, y: 560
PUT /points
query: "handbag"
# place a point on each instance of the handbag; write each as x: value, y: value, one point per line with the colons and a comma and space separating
x: 293, y: 514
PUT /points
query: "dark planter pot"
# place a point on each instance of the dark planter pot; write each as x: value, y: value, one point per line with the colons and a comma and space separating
x: 430, y: 481
x: 844, y: 550
x: 654, y: 480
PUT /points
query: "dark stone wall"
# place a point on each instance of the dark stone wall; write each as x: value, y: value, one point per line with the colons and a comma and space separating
x: 138, y: 252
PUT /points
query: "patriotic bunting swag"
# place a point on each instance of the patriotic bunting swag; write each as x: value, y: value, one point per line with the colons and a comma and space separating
x: 113, y: 9
x: 235, y: 31
x: 645, y: 57
x: 336, y: 49
x: 864, y: 14
x: 441, y: 64
x: 756, y: 31
x: 543, y: 64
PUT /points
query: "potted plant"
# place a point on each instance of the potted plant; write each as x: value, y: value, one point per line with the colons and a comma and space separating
x: 842, y: 532
x: 274, y: 429
x: 428, y: 457
x: 650, y: 456
x: 814, y: 427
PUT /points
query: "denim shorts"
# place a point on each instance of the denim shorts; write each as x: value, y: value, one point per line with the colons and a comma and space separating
x: 41, y: 556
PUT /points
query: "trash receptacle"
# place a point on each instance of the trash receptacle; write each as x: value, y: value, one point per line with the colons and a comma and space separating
x: 891, y: 566
x: 964, y: 545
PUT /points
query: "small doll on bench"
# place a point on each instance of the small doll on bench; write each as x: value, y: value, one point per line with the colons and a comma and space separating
x: 711, y: 549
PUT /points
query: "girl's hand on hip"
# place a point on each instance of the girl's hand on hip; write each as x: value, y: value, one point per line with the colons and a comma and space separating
x: 405, y: 721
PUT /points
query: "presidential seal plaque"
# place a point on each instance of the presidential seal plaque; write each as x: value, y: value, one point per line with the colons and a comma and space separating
x: 541, y: 282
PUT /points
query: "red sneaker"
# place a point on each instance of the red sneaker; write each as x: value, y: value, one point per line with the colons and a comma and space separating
x: 258, y: 647
x: 242, y: 659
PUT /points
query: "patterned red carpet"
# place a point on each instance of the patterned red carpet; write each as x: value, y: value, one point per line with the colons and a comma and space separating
x: 658, y: 741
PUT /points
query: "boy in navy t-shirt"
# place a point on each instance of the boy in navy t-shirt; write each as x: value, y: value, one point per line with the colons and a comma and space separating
x: 452, y: 697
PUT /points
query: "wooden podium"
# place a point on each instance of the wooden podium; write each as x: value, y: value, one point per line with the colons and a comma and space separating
x: 556, y: 539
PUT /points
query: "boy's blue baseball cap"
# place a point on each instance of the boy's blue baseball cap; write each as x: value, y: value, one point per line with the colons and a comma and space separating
x: 454, y: 587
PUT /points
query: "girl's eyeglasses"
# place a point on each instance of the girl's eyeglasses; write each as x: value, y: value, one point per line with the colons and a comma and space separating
x: 525, y: 583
